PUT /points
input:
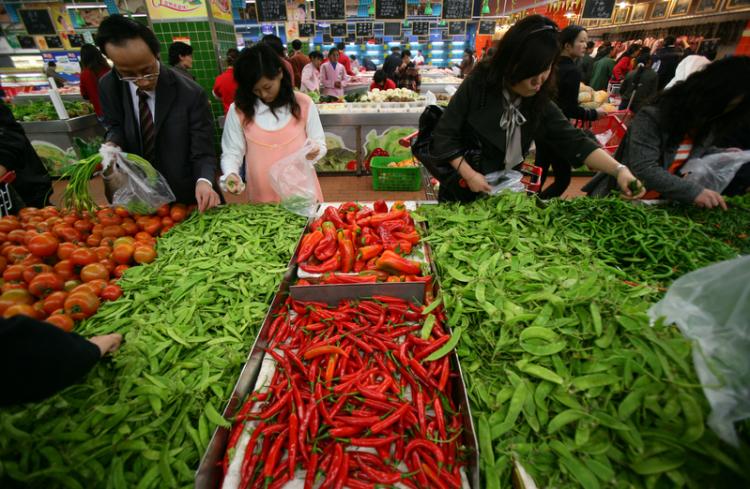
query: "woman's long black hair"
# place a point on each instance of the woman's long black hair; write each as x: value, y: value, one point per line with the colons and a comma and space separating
x: 712, y: 100
x: 253, y: 64
x: 93, y: 59
x: 529, y: 48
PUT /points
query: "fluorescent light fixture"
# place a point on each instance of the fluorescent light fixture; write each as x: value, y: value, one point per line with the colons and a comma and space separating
x: 457, y: 50
x: 394, y: 43
x: 623, y: 4
x: 138, y: 15
x: 373, y: 53
x: 436, y: 51
x: 85, y: 5
x: 436, y: 59
x: 416, y: 43
x: 438, y: 43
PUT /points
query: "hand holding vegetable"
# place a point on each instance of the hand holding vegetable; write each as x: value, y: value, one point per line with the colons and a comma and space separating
x: 631, y: 187
x: 475, y: 180
x: 233, y: 184
x: 205, y: 195
x: 710, y: 199
x: 109, y: 343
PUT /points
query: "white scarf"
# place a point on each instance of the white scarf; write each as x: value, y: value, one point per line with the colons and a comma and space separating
x: 511, y: 122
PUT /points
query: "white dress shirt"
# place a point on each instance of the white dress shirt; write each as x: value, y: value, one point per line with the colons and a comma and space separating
x: 233, y: 138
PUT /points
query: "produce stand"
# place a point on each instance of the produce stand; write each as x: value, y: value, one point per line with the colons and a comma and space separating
x: 29, y: 97
x: 54, y: 141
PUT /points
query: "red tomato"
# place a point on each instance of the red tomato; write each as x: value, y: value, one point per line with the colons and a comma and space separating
x: 28, y: 212
x: 130, y: 227
x: 125, y: 240
x: 103, y: 252
x: 111, y: 292
x: 94, y: 239
x: 119, y: 270
x: 31, y: 260
x: 3, y: 264
x: 107, y: 242
x: 3, y: 237
x: 13, y: 273
x: 20, y: 310
x: 65, y: 269
x: 94, y: 271
x: 32, y: 271
x: 122, y: 212
x: 17, y: 236
x: 70, y: 219
x: 70, y: 234
x: 178, y: 213
x: 62, y: 321
x: 17, y: 253
x: 54, y: 301
x: 13, y: 285
x: 144, y: 255
x: 96, y: 286
x: 108, y: 218
x: 30, y: 233
x: 50, y: 211
x: 8, y: 224
x: 64, y: 250
x: 13, y: 297
x: 43, y: 244
x: 83, y: 226
x: 165, y: 230
x: 153, y: 226
x: 167, y: 221
x: 97, y: 229
x: 81, y: 304
x: 83, y: 256
x: 71, y: 285
x: 113, y: 231
x: 163, y: 210
x: 123, y: 253
x: 45, y: 283
x: 109, y: 264
x: 143, y: 236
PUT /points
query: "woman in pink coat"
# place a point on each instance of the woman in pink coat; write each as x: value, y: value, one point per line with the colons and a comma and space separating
x: 333, y: 75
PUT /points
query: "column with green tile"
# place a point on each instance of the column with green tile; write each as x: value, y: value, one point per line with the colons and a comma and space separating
x: 209, y: 29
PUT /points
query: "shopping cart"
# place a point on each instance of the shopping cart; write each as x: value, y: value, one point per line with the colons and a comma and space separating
x: 6, y: 193
x: 608, y: 130
x: 532, y: 175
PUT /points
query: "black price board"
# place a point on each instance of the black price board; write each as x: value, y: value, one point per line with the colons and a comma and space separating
x: 420, y: 28
x: 76, y: 40
x: 338, y: 30
x: 271, y: 10
x: 456, y: 28
x: 327, y: 39
x: 392, y: 29
x: 330, y: 10
x: 306, y: 30
x: 37, y: 21
x: 446, y: 36
x: 457, y: 9
x: 27, y: 42
x: 598, y: 9
x: 487, y: 27
x: 390, y: 9
x: 351, y: 38
x: 364, y: 29
x: 53, y: 42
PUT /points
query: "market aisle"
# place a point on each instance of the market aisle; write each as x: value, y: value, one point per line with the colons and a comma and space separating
x: 335, y: 189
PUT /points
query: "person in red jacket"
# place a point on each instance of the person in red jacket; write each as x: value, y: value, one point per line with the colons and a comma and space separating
x: 93, y: 67
x: 344, y: 59
x: 624, y: 64
x: 381, y: 82
x: 225, y: 85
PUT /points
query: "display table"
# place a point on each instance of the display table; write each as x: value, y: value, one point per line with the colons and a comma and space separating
x: 27, y: 98
x: 54, y: 141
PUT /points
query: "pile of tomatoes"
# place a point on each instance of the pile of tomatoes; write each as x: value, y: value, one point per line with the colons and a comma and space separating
x: 59, y: 265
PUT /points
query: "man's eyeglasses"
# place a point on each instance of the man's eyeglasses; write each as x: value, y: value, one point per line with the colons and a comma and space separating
x: 136, y: 79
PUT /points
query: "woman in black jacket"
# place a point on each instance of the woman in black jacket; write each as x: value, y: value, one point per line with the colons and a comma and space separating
x: 502, y: 106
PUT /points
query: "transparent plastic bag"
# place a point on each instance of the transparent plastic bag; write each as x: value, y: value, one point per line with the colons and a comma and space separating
x: 293, y: 178
x: 715, y: 171
x: 505, y: 180
x: 131, y: 182
x: 711, y: 306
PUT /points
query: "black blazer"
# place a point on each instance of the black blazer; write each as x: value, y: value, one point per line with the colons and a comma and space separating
x: 184, y: 129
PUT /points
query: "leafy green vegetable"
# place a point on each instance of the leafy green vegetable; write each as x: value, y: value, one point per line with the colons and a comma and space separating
x: 45, y: 111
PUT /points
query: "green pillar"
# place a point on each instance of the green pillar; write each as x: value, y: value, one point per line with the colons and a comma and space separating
x: 209, y: 27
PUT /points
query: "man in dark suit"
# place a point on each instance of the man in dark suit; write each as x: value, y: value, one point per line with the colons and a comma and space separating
x: 156, y: 113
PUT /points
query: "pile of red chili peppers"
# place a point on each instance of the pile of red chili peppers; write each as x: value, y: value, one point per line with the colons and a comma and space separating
x: 353, y: 401
x: 368, y: 243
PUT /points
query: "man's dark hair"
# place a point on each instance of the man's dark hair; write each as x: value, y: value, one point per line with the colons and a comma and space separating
x: 316, y: 55
x: 341, y: 46
x: 395, y: 49
x: 405, y: 53
x: 353, y: 57
x: 296, y: 44
x: 275, y: 42
x: 52, y: 64
x: 669, y: 41
x: 177, y: 49
x: 116, y: 29
x: 378, y: 77
x: 590, y: 45
x: 232, y: 55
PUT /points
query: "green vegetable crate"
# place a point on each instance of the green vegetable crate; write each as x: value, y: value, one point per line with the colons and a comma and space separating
x: 385, y: 178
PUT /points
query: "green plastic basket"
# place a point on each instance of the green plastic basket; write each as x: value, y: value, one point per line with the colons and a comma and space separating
x: 385, y: 178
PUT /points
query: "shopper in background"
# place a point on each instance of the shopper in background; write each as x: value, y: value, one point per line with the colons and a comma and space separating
x: 603, y: 68
x: 368, y: 65
x: 225, y: 85
x: 408, y: 74
x: 624, y: 63
x: 640, y: 85
x: 467, y: 63
x: 51, y: 72
x: 298, y: 61
x: 311, y: 73
x: 93, y: 67
x: 419, y: 58
x: 181, y: 58
x: 666, y: 60
x: 32, y: 184
x: 663, y: 136
x: 392, y: 62
x: 278, y: 47
x: 603, y: 50
x: 332, y: 75
x: 381, y: 82
x: 344, y: 59
x: 268, y: 121
x: 355, y: 64
x: 586, y: 63
x: 691, y: 64
x: 512, y: 88
x: 152, y: 111
x: 38, y: 359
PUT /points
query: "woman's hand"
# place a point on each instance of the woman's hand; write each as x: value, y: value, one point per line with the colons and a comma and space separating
x: 234, y: 184
x: 476, y: 181
x: 313, y: 154
x: 107, y: 343
x: 631, y: 187
x: 710, y: 199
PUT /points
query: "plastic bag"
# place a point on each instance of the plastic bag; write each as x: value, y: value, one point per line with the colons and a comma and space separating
x: 131, y: 182
x: 505, y: 180
x: 429, y: 98
x: 711, y: 306
x: 715, y: 171
x: 293, y: 178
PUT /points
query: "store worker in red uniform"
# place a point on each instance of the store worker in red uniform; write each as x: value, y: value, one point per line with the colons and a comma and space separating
x: 225, y: 85
x: 381, y: 81
x: 52, y: 359
x: 93, y: 67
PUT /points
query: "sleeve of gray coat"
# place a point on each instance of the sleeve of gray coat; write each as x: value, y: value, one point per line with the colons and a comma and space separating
x: 202, y: 152
x: 644, y: 160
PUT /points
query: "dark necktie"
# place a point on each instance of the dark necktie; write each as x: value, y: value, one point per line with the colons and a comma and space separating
x: 148, y: 133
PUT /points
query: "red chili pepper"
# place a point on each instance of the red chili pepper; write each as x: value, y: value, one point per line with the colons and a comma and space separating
x: 312, y: 469
x: 432, y: 475
x: 346, y: 249
x: 372, y: 442
x: 273, y: 455
x: 349, y: 207
x: 356, y: 421
x: 380, y: 206
x: 326, y: 248
x: 378, y: 427
x: 345, y: 432
x: 369, y: 252
x: 393, y: 263
x: 293, y: 433
x: 358, y: 484
x: 249, y: 461
x: 333, y: 472
x: 332, y: 214
x: 440, y: 417
x: 275, y: 407
x: 331, y: 264
x: 427, y: 445
x: 412, y: 237
x: 309, y: 242
x: 380, y: 217
x: 330, y: 369
x: 404, y: 247
x: 343, y: 472
x: 421, y: 414
x: 444, y: 374
x: 375, y: 474
x: 323, y: 350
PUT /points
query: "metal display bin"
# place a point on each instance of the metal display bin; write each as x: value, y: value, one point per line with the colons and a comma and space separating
x: 27, y: 98
x: 54, y: 140
x: 209, y: 474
